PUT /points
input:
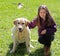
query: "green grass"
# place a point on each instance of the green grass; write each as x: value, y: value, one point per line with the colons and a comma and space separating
x: 9, y: 12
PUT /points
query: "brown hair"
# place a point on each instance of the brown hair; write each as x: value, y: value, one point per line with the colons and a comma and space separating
x: 49, y: 19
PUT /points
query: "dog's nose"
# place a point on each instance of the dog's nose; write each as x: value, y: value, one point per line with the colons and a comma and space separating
x: 19, y: 28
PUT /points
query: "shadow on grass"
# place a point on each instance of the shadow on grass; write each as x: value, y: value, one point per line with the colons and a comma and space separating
x: 20, y: 51
x: 38, y: 52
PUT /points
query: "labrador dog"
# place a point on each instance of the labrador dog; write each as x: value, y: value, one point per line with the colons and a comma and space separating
x: 20, y: 33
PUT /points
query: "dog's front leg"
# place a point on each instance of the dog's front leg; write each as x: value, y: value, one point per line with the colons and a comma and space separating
x: 14, y: 47
x: 28, y: 45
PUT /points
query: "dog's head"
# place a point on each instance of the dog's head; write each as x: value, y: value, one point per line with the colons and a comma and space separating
x: 21, y: 24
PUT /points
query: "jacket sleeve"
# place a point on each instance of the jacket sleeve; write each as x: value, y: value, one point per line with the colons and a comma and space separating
x: 51, y: 30
x: 32, y: 24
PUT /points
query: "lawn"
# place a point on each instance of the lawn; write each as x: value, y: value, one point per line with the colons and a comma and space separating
x: 9, y: 12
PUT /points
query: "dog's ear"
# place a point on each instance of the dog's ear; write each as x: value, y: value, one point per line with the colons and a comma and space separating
x: 15, y: 22
x: 27, y: 22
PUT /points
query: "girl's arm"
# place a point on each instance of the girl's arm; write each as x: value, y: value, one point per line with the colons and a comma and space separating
x: 51, y: 29
x: 32, y: 24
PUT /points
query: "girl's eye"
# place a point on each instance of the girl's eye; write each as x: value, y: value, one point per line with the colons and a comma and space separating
x: 18, y: 23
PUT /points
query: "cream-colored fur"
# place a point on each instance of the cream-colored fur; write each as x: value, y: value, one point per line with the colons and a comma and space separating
x: 20, y: 33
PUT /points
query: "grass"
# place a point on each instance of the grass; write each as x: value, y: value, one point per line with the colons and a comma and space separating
x: 9, y: 12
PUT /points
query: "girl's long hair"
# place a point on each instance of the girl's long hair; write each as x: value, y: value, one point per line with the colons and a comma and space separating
x: 49, y: 20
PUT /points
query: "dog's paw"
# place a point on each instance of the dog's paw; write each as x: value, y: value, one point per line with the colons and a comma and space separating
x: 31, y: 46
x: 11, y: 51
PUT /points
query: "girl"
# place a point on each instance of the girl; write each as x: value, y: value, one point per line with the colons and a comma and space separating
x: 46, y: 28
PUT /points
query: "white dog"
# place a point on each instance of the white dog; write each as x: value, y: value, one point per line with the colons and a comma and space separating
x: 20, y: 33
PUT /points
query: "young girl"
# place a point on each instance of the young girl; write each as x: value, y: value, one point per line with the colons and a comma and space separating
x: 46, y: 28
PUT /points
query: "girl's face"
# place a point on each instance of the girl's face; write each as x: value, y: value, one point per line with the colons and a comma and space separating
x: 42, y: 13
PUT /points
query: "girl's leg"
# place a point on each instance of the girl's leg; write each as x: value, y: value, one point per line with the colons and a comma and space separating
x: 46, y: 50
x: 47, y: 45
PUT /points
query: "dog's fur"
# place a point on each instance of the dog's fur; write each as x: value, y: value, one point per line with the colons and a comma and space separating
x: 20, y: 33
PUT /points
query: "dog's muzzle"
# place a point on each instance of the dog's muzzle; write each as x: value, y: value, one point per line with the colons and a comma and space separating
x: 20, y: 30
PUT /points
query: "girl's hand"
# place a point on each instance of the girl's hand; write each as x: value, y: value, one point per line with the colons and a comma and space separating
x: 43, y: 31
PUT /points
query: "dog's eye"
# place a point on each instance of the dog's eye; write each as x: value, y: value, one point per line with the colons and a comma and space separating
x: 22, y: 23
x: 18, y: 23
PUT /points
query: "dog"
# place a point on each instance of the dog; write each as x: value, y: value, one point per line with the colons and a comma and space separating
x: 20, y: 33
